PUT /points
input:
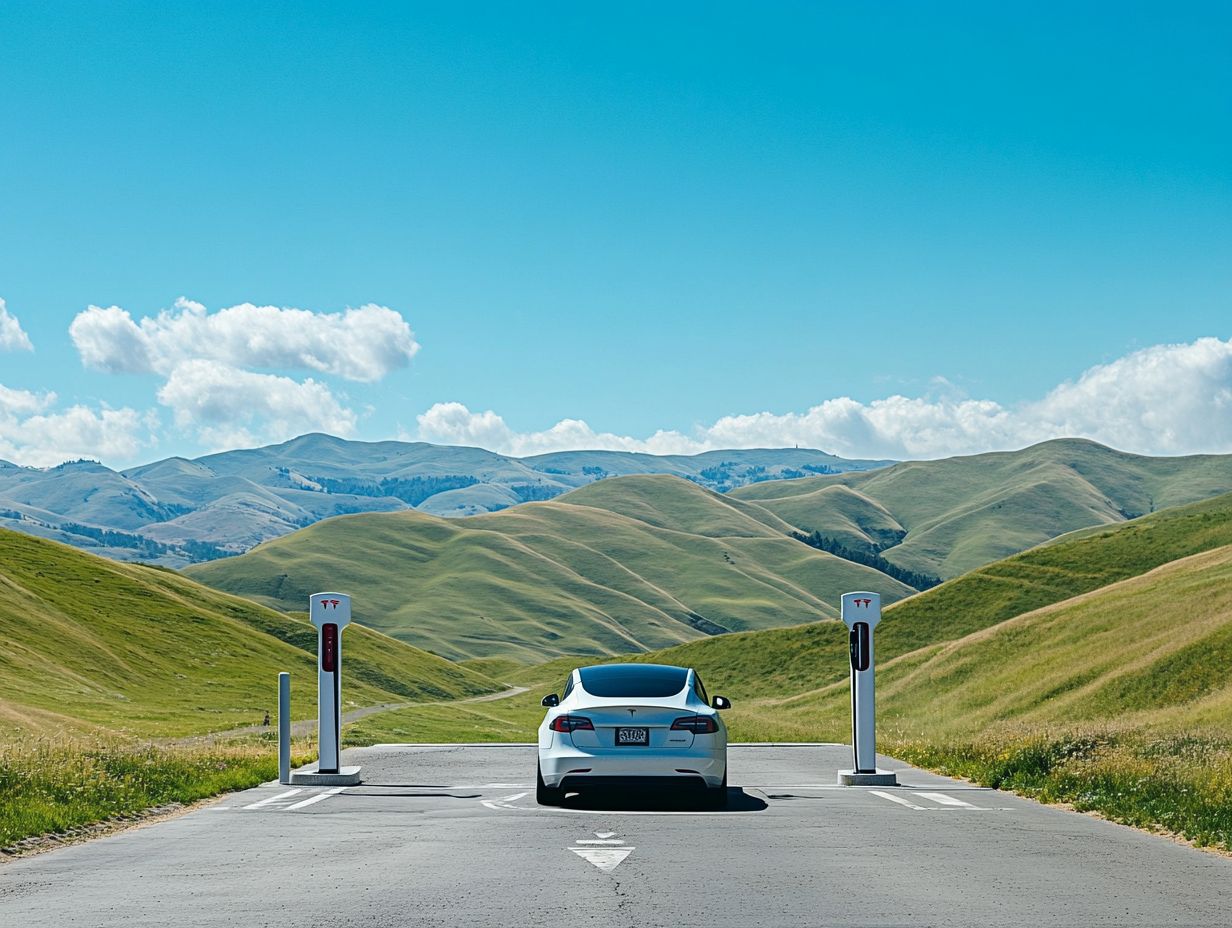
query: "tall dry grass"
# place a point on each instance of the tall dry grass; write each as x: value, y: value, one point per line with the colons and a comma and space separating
x: 1179, y: 783
x: 56, y: 785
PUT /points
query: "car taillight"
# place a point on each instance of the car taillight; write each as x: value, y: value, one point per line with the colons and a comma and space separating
x: 698, y: 724
x: 571, y: 723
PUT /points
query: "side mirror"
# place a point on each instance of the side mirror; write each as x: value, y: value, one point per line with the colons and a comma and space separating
x: 550, y: 700
x: 721, y: 702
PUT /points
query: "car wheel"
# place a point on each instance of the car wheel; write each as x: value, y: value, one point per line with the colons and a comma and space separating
x: 544, y: 794
x: 716, y: 796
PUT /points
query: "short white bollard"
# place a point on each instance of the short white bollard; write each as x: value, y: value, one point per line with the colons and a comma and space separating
x: 284, y: 727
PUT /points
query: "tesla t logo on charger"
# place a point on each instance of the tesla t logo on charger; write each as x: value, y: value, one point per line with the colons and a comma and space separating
x: 330, y: 603
x: 863, y: 603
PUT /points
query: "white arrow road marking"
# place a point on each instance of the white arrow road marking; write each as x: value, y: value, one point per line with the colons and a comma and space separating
x: 606, y: 858
x: 943, y: 799
x: 319, y: 797
x: 266, y: 802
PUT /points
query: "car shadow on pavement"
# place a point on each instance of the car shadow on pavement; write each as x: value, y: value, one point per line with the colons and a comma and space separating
x: 657, y: 801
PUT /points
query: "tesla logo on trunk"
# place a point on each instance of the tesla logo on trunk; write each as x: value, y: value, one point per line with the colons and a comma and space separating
x: 633, y: 712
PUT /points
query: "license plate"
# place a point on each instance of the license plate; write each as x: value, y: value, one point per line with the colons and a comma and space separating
x: 633, y: 736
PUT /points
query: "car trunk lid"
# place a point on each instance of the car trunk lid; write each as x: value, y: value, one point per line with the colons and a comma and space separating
x: 630, y: 720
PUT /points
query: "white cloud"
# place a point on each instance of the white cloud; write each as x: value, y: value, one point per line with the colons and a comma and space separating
x: 1168, y: 399
x: 31, y: 433
x: 455, y: 424
x: 17, y: 403
x: 208, y: 361
x: 230, y: 407
x: 12, y: 336
x: 109, y: 340
x: 363, y: 344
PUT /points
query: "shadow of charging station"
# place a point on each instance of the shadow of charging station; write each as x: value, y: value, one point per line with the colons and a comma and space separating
x: 861, y: 612
x: 330, y: 613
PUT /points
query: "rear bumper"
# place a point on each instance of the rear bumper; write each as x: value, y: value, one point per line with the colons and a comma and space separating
x: 581, y: 783
x: 573, y: 769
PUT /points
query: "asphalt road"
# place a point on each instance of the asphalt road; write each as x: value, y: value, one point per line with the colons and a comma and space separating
x: 451, y: 836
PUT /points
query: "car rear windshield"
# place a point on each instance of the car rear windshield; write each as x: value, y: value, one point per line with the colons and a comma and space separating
x: 647, y: 680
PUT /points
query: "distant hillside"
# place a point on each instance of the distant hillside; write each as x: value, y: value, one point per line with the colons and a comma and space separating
x: 944, y: 518
x: 618, y: 566
x: 794, y: 660
x: 177, y: 511
x: 92, y: 643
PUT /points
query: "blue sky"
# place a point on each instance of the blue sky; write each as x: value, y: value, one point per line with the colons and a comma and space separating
x: 884, y: 229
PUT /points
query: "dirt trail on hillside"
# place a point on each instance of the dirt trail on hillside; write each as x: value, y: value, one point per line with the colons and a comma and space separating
x: 308, y: 726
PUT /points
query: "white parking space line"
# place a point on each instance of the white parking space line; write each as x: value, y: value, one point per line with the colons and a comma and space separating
x: 513, y: 798
x: 272, y: 799
x: 943, y: 799
x: 899, y: 799
x: 319, y: 797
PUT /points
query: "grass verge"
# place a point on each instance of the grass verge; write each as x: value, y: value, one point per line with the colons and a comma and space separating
x: 60, y: 786
x: 1181, y: 784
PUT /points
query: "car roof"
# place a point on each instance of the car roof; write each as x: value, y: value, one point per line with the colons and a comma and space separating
x: 634, y: 665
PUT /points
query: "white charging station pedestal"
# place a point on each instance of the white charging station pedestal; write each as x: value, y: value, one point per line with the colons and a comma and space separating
x: 330, y: 613
x: 860, y: 613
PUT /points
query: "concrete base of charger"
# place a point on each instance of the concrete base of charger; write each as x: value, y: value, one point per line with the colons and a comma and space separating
x: 346, y: 776
x: 876, y: 778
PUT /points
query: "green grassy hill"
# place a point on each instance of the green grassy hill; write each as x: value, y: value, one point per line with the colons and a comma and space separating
x: 1090, y: 671
x: 668, y: 503
x: 1117, y: 656
x: 792, y: 660
x: 625, y: 564
x: 792, y: 683
x: 960, y: 513
x: 93, y: 645
x: 1116, y: 701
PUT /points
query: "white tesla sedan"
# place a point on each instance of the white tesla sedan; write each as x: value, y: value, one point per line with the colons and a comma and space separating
x: 632, y: 724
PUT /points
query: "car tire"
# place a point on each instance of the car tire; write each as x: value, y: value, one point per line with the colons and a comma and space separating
x: 544, y: 794
x: 716, y: 796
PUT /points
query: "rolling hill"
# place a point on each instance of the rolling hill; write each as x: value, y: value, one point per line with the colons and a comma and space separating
x: 1090, y: 671
x: 944, y: 518
x: 1021, y: 640
x: 1116, y: 656
x: 95, y: 645
x: 621, y: 565
x: 789, y: 661
x: 177, y: 511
